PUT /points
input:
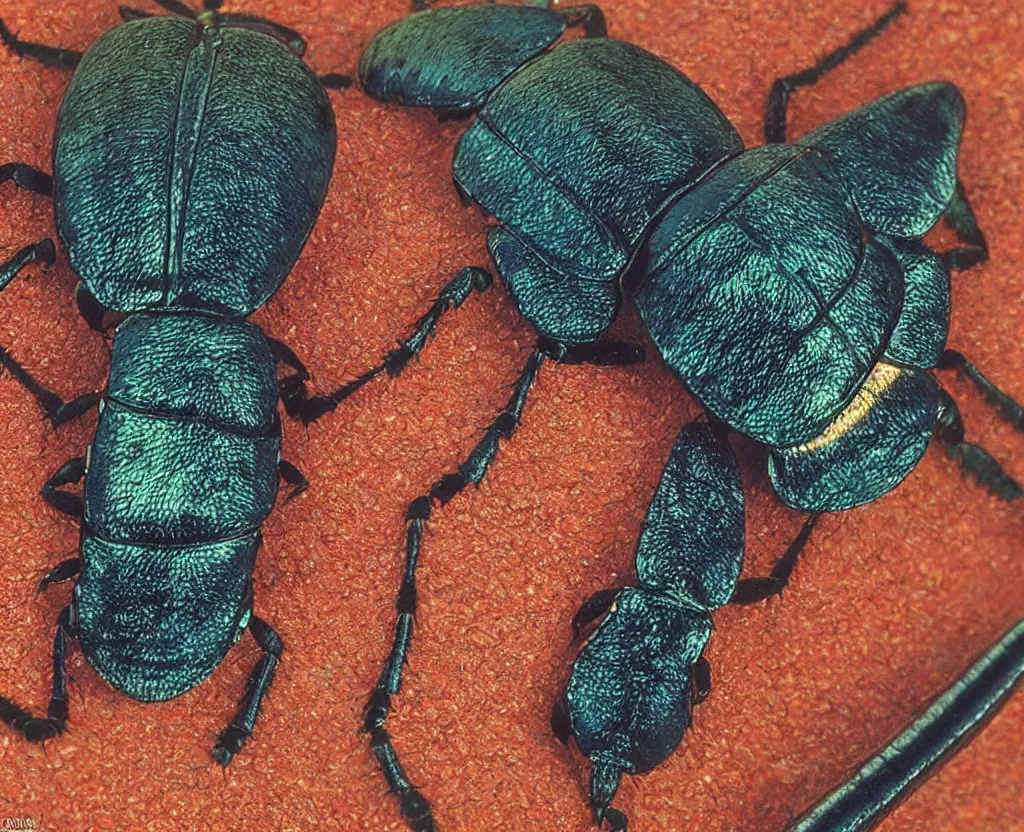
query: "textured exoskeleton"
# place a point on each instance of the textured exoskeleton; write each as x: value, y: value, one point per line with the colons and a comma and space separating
x: 191, y: 158
x: 786, y: 286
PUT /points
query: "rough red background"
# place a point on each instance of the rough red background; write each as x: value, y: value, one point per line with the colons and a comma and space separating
x: 891, y: 601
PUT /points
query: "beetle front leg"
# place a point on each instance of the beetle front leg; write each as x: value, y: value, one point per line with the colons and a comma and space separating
x: 47, y: 55
x: 36, y: 729
x: 778, y: 99
x: 234, y: 736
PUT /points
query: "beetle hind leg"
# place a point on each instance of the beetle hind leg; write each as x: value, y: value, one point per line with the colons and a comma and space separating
x: 974, y: 459
x: 40, y: 729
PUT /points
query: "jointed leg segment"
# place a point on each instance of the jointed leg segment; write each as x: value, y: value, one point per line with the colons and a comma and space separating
x: 234, y: 736
x: 778, y: 99
x: 36, y: 729
x: 452, y: 296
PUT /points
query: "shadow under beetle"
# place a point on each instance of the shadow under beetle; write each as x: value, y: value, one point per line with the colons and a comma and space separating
x: 786, y: 286
x: 191, y: 158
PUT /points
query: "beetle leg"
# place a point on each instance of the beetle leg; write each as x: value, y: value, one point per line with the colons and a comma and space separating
x: 972, y: 458
x: 451, y: 297
x: 36, y: 729
x: 51, y: 404
x: 56, y: 409
x: 701, y: 680
x: 753, y: 590
x: 41, y: 252
x: 292, y: 388
x: 96, y: 315
x: 234, y: 736
x: 27, y: 178
x: 591, y: 18
x: 46, y: 55
x: 294, y: 477
x: 1007, y: 408
x: 960, y: 217
x: 778, y: 99
x: 129, y: 13
x: 950, y: 721
x: 414, y: 806
x: 336, y: 81
x: 593, y: 608
x: 607, y: 352
x: 63, y: 571
x: 70, y: 472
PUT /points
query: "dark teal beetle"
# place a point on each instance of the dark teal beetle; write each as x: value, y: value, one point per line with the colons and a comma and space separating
x: 786, y: 286
x: 191, y: 159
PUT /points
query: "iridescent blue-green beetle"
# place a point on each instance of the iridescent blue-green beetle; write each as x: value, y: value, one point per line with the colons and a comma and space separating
x: 191, y: 157
x: 786, y: 286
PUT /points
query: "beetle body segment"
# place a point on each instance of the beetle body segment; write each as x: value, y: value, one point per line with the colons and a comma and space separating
x: 547, y: 159
x: 629, y: 697
x: 202, y: 199
x: 451, y: 59
x: 764, y: 296
x: 190, y: 162
x: 177, y: 466
x: 155, y: 620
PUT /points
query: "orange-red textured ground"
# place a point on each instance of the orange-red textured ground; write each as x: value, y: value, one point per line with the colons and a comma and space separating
x: 891, y: 601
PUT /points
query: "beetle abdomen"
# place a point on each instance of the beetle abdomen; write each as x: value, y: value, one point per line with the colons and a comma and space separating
x: 190, y: 164
x: 156, y: 620
x: 187, y: 446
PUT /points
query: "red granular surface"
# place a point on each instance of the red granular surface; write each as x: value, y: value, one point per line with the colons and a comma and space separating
x: 891, y: 601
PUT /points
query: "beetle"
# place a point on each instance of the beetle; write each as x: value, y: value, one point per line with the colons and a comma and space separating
x: 191, y: 158
x: 786, y: 286
x: 958, y: 713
